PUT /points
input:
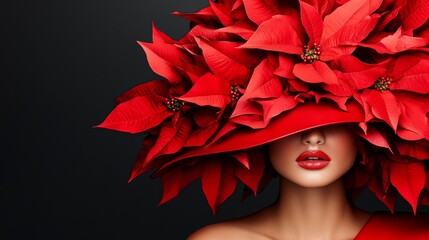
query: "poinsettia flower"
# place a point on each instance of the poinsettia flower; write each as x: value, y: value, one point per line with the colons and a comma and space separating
x: 397, y: 95
x: 315, y: 39
x: 142, y: 108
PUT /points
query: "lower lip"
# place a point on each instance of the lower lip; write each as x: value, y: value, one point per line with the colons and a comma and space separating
x: 313, y: 164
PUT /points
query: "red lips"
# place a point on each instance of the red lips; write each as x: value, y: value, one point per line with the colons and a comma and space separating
x: 313, y: 160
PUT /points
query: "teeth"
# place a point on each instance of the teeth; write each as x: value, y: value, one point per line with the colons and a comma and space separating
x: 313, y: 158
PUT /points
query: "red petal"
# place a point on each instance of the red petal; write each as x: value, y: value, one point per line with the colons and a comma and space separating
x: 209, y: 90
x: 344, y: 40
x: 138, y: 169
x: 276, y: 106
x: 171, y: 139
x: 376, y: 137
x: 153, y: 88
x: 414, y: 78
x: 137, y: 115
x: 414, y: 14
x: 222, y: 12
x: 316, y: 72
x: 415, y: 149
x: 383, y: 105
x: 286, y: 63
x: 200, y: 136
x: 312, y: 22
x: 177, y: 179
x: 351, y: 13
x: 388, y: 198
x: 281, y: 33
x: 218, y: 182
x: 262, y: 10
x: 263, y: 83
x: 353, y: 75
x: 394, y: 43
x: 242, y: 157
x: 160, y: 37
x: 414, y: 114
x: 205, y: 16
x: 225, y: 129
x: 242, y: 28
x: 409, y: 179
x: 252, y: 175
x: 165, y: 60
x: 231, y: 63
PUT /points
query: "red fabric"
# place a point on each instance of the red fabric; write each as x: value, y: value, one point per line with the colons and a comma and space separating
x: 398, y: 226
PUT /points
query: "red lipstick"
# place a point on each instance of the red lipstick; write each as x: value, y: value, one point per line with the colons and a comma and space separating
x: 313, y: 160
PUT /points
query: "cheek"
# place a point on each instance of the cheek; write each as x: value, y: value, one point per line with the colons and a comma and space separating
x: 283, y: 154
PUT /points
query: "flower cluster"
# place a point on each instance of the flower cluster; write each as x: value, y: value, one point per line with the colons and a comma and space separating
x: 245, y: 62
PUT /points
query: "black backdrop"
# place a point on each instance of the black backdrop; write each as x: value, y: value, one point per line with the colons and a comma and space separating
x: 63, y: 63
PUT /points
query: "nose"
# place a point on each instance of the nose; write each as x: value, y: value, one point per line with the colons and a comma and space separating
x: 313, y: 137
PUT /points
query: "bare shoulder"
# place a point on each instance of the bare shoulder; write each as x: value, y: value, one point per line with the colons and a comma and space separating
x: 223, y: 231
x: 250, y: 227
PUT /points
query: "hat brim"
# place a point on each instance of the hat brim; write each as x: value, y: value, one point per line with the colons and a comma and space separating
x: 301, y: 118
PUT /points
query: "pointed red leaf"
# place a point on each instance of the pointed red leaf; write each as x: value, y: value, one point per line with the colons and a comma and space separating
x: 242, y: 28
x: 312, y: 22
x: 388, y: 198
x: 316, y: 72
x: 229, y: 62
x: 242, y: 157
x: 414, y: 114
x: 262, y: 10
x: 376, y: 137
x: 209, y: 90
x: 222, y: 12
x: 263, y: 83
x: 200, y: 136
x: 409, y: 179
x: 158, y: 88
x: 353, y: 75
x: 205, y: 16
x: 218, y: 182
x: 344, y: 41
x: 276, y: 106
x: 414, y: 14
x: 350, y: 13
x: 224, y: 130
x: 280, y: 34
x: 137, y: 115
x: 138, y: 169
x: 383, y: 105
x: 415, y: 149
x: 170, y: 139
x: 165, y: 60
x: 177, y: 179
x: 285, y: 68
x: 252, y: 175
x: 414, y: 77
x: 160, y: 37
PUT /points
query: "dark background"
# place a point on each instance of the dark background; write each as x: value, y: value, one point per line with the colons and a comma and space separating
x: 63, y: 64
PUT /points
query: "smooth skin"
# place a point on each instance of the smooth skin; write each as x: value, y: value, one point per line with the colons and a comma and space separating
x: 312, y: 204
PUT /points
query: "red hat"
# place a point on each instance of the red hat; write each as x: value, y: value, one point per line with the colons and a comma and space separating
x: 252, y: 71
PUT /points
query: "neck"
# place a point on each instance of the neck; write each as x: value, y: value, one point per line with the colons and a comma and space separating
x: 316, y: 213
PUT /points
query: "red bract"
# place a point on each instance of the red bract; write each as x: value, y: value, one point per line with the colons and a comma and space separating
x: 397, y: 94
x: 254, y: 67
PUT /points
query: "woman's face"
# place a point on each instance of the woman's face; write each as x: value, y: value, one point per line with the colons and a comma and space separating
x: 316, y: 157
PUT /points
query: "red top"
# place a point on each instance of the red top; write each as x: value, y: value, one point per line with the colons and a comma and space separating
x: 398, y: 226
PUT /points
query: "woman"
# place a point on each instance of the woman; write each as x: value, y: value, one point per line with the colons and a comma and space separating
x: 257, y: 73
x: 312, y: 202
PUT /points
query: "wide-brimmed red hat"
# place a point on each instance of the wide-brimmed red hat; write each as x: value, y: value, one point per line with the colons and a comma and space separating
x: 252, y: 71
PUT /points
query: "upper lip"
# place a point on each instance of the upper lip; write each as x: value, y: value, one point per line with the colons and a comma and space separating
x: 313, y: 155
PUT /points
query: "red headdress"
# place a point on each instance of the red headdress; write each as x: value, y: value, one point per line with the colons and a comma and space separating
x: 250, y: 71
